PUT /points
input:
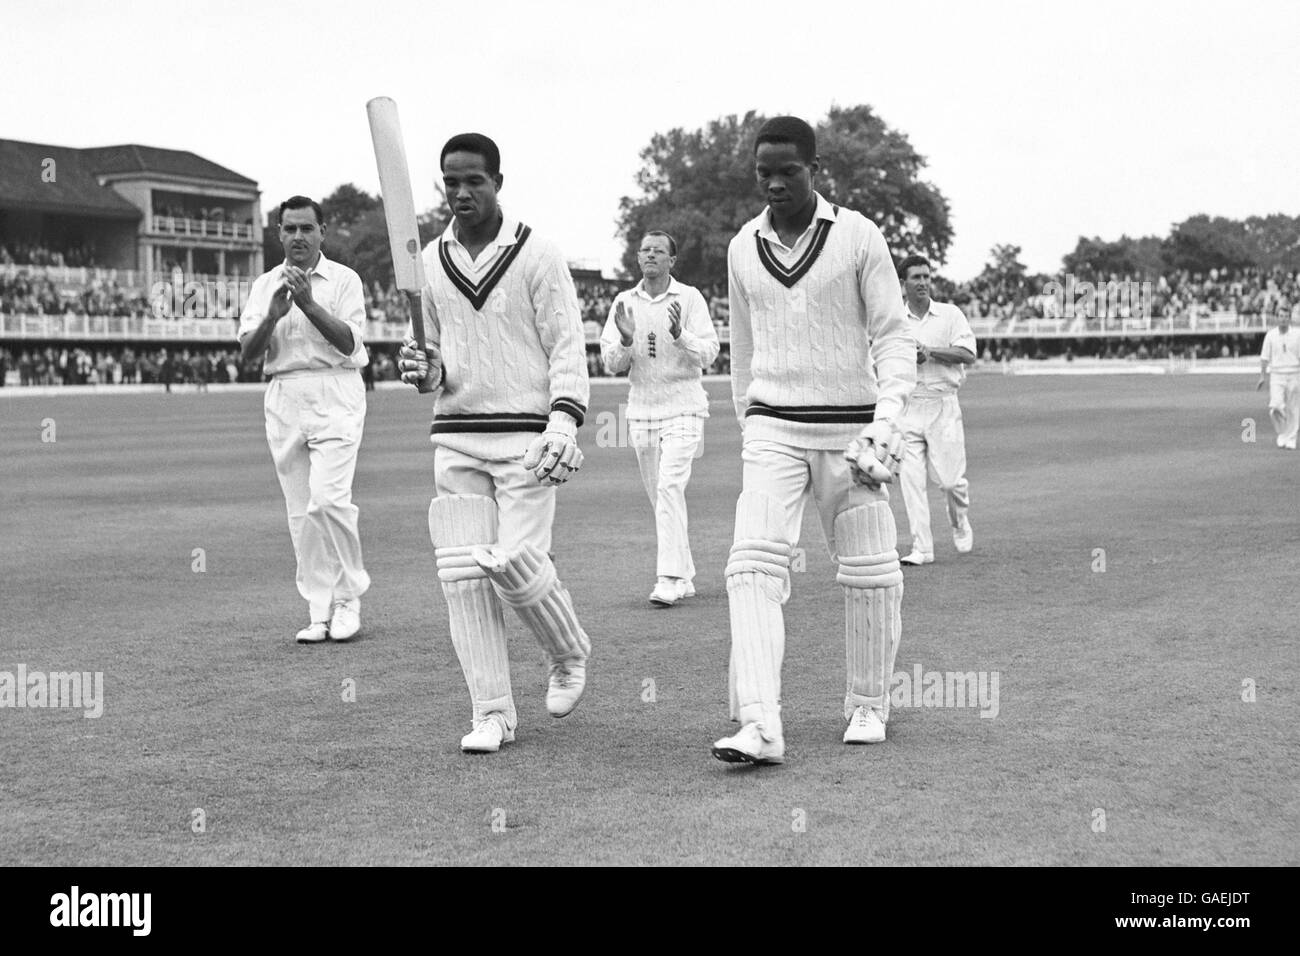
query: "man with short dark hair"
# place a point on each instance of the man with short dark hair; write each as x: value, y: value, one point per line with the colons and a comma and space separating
x: 1279, y: 369
x: 660, y: 329
x: 821, y: 366
x: 932, y: 424
x: 307, y: 317
x: 506, y: 363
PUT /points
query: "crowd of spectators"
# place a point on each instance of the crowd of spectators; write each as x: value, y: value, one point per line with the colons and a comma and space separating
x: 18, y: 252
x: 201, y: 213
x: 1178, y: 295
x: 40, y: 295
x: 126, y: 365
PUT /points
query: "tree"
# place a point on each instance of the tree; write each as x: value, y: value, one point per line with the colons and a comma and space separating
x: 1125, y: 256
x: 699, y: 186
x: 1200, y: 244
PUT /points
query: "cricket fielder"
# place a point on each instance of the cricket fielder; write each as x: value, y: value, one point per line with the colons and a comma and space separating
x: 1279, y: 367
x: 821, y: 367
x: 307, y: 316
x: 662, y: 331
x: 934, y: 438
x: 507, y: 365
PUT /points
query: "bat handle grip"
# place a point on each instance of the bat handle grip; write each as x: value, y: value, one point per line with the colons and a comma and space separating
x: 416, y: 307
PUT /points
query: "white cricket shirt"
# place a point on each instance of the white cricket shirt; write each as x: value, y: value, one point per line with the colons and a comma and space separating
x: 942, y: 327
x: 1281, y: 350
x: 296, y: 345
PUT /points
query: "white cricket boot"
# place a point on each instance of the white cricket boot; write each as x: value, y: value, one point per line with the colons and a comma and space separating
x: 917, y: 558
x: 865, y: 727
x: 667, y: 592
x: 753, y: 744
x: 963, y: 537
x: 345, y: 623
x: 567, y: 681
x: 314, y: 633
x: 488, y: 735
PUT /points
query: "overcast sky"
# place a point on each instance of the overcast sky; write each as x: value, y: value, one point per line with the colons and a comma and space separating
x: 1040, y: 121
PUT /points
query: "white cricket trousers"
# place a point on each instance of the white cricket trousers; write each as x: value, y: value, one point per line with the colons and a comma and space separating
x: 314, y: 422
x: 935, y: 443
x: 525, y: 507
x: 664, y: 453
x: 1284, y: 405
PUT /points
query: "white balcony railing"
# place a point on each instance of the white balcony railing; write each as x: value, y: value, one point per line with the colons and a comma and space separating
x: 202, y: 228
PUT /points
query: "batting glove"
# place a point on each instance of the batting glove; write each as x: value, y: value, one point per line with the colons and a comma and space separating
x: 876, y: 455
x: 554, y: 455
x: 421, y: 369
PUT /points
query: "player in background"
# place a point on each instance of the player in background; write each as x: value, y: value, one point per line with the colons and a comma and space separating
x: 507, y: 366
x: 662, y: 331
x: 932, y: 425
x: 307, y: 316
x: 821, y: 367
x: 1279, y: 368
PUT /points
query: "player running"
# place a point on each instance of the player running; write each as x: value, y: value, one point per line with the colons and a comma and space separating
x: 821, y: 367
x: 1279, y: 368
x: 661, y: 329
x: 507, y: 365
x: 932, y: 427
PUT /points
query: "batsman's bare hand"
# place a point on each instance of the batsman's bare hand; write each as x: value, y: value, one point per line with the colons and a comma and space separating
x: 624, y: 321
x: 876, y: 455
x: 421, y: 369
x: 299, y: 284
x: 554, y: 455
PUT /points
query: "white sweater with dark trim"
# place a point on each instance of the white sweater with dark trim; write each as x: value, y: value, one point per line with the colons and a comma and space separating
x: 815, y: 357
x: 510, y: 363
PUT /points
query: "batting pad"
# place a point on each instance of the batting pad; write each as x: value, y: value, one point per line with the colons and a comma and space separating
x: 457, y: 525
x: 758, y: 582
x: 867, y: 541
x: 526, y: 580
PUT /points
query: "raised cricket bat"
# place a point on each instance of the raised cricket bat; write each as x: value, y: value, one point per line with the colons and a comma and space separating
x: 399, y: 206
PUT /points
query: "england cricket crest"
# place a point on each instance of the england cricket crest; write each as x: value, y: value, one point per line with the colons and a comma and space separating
x: 650, y: 344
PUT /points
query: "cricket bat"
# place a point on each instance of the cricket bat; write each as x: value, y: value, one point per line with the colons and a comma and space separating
x: 399, y: 206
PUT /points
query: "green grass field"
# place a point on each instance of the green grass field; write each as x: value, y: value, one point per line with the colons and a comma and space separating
x: 1120, y: 691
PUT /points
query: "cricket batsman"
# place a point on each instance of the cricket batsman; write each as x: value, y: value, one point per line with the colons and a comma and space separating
x: 822, y: 363
x: 506, y: 363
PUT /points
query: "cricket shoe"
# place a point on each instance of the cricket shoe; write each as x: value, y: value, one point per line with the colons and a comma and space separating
x: 963, y: 537
x: 865, y: 727
x: 687, y: 588
x: 751, y: 745
x: 568, y: 678
x: 345, y: 623
x: 488, y: 735
x: 917, y: 558
x: 665, y: 593
x: 314, y: 633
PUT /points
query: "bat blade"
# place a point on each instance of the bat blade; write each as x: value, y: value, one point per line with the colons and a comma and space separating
x: 399, y: 205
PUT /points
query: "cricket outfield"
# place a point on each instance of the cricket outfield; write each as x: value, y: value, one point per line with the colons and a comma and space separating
x: 1110, y: 678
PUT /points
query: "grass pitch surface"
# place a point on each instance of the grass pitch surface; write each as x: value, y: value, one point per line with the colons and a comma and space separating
x: 1121, y: 734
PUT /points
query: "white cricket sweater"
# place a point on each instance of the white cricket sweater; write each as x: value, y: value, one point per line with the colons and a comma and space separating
x: 819, y: 340
x: 664, y: 372
x: 510, y: 331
